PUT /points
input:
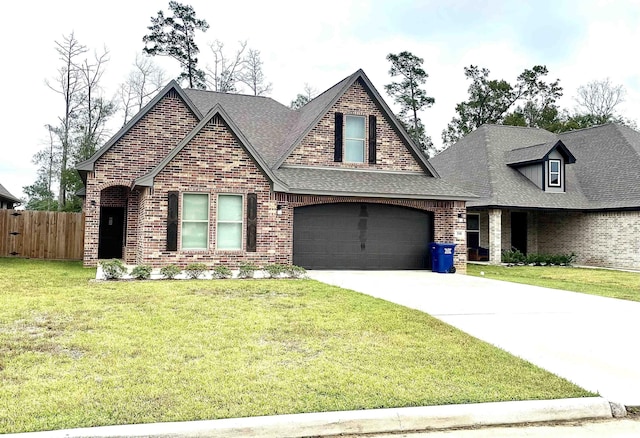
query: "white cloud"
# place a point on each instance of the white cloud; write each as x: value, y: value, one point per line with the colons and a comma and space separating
x: 321, y: 43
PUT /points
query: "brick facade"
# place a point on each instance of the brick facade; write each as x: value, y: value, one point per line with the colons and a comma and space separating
x: 448, y: 228
x: 133, y: 155
x: 214, y: 162
x: 316, y: 149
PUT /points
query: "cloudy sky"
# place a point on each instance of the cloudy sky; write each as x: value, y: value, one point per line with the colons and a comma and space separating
x: 320, y: 43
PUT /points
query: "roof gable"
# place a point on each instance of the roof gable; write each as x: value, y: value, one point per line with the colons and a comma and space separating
x: 538, y: 153
x: 311, y: 114
x: 87, y: 165
x: 216, y: 111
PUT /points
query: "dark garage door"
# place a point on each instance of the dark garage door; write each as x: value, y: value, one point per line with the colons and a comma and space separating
x: 361, y: 236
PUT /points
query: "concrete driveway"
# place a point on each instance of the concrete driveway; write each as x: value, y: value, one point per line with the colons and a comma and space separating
x: 589, y: 340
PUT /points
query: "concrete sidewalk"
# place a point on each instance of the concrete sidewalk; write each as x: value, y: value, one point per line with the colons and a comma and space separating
x: 587, y: 339
x: 356, y: 422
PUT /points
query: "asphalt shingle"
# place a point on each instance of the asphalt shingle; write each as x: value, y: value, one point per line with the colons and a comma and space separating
x: 605, y: 174
x: 368, y: 183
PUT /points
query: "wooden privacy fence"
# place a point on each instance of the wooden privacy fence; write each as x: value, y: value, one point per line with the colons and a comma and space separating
x: 41, y: 234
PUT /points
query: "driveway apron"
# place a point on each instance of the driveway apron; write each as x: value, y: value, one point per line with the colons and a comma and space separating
x: 589, y: 340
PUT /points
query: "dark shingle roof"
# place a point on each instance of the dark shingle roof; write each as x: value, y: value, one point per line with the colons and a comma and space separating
x: 4, y: 193
x: 270, y: 131
x: 326, y: 181
x: 263, y: 121
x: 603, y: 176
x: 607, y: 163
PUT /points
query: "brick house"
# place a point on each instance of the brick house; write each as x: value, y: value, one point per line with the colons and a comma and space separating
x: 7, y: 200
x: 541, y: 192
x: 200, y: 176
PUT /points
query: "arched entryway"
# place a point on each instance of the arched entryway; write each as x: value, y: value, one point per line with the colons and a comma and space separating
x: 113, y: 212
x: 361, y: 236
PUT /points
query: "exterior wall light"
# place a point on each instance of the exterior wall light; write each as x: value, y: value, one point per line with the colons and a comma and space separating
x: 279, y: 210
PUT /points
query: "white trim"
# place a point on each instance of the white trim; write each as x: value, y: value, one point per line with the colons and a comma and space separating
x: 559, y: 172
x: 242, y: 223
x: 182, y: 220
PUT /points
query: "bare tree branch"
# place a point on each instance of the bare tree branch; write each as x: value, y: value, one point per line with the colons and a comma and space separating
x: 224, y: 74
x: 253, y: 76
x: 600, y: 98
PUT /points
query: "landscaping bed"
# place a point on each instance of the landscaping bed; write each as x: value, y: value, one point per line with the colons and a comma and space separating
x: 75, y: 353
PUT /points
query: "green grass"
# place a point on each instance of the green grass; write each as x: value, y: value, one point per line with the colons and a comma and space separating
x: 75, y: 353
x: 603, y: 282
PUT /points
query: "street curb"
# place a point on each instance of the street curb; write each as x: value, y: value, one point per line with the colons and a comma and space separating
x: 356, y: 422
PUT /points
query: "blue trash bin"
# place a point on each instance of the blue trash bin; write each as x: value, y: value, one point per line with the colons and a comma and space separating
x: 442, y: 257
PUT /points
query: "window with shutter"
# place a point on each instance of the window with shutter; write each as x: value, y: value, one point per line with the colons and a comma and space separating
x: 195, y: 221
x: 229, y: 224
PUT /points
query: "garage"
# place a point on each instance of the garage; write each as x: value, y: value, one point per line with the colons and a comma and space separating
x: 361, y: 236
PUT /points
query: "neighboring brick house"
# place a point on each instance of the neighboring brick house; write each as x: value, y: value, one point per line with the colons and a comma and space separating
x: 7, y: 200
x: 540, y: 192
x: 200, y: 176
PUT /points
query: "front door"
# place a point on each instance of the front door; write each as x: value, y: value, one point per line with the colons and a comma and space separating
x: 111, y: 232
x: 519, y: 231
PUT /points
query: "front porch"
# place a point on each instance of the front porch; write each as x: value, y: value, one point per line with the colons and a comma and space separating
x: 597, y: 238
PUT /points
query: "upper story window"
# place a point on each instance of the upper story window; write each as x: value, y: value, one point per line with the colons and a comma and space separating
x: 195, y: 221
x: 555, y: 173
x: 354, y: 139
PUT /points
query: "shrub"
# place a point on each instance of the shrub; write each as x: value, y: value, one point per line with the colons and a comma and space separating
x: 113, y: 269
x: 195, y: 270
x: 221, y: 271
x: 275, y: 270
x: 513, y: 256
x: 141, y: 272
x: 516, y: 257
x: 170, y: 271
x: 294, y: 271
x: 246, y: 270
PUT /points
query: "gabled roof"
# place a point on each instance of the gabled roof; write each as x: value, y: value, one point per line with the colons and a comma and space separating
x: 4, y: 194
x: 270, y: 131
x: 604, y: 176
x: 87, y: 166
x: 538, y: 153
x: 217, y: 110
x: 311, y: 113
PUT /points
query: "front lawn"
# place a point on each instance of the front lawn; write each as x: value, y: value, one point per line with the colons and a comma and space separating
x: 75, y: 353
x: 604, y: 282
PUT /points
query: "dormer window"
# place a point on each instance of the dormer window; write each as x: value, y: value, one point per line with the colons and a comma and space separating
x: 555, y: 173
x: 354, y: 139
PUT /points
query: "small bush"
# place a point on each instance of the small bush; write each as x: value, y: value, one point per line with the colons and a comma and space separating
x: 294, y: 271
x: 513, y: 256
x: 221, y: 271
x: 195, y: 270
x: 246, y: 270
x: 113, y: 269
x: 516, y: 257
x: 275, y: 270
x: 170, y: 271
x: 141, y: 272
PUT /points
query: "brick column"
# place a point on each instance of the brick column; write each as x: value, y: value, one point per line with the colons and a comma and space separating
x: 495, y: 236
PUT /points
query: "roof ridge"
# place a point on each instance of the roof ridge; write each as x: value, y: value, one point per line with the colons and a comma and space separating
x: 328, y: 89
